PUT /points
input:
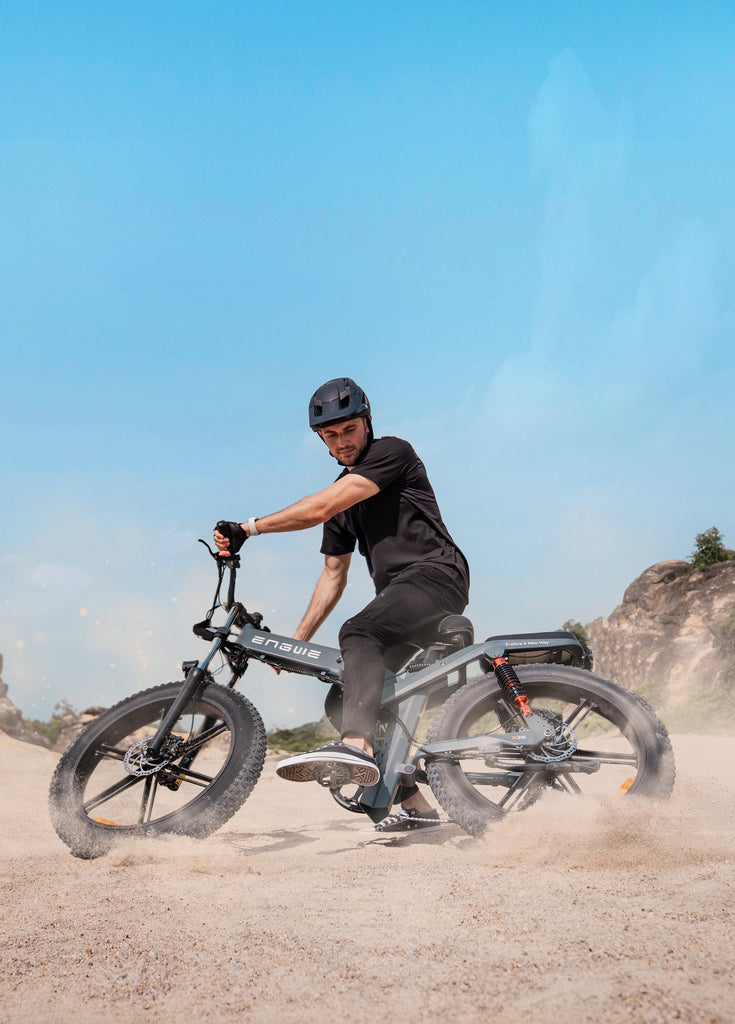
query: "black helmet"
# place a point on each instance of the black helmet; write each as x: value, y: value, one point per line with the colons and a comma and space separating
x: 337, y: 400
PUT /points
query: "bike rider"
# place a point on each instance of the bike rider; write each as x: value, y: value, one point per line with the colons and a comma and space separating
x: 383, y: 502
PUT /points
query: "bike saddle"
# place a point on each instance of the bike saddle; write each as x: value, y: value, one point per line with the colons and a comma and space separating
x: 453, y: 633
x: 456, y: 630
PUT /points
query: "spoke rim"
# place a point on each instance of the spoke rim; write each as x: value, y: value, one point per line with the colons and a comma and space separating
x: 159, y: 797
x: 109, y: 793
x: 519, y: 782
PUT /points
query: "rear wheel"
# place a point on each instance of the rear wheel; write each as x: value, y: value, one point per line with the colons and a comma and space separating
x: 608, y: 741
x: 106, y: 786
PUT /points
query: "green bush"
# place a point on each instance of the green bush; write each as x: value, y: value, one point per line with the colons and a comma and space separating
x: 709, y: 549
x: 304, y: 737
x: 707, y: 711
x: 570, y: 626
x: 50, y: 730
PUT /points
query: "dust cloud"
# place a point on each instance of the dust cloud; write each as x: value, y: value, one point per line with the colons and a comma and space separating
x: 572, y: 910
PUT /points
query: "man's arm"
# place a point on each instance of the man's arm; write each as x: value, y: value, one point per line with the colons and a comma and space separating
x: 313, y: 510
x: 327, y: 593
x: 317, y: 508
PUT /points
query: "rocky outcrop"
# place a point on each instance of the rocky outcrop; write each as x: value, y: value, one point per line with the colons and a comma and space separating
x: 72, y: 725
x: 11, y: 722
x: 11, y: 718
x: 667, y: 641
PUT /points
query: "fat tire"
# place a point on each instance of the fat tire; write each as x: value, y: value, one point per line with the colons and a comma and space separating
x: 466, y: 806
x: 208, y: 810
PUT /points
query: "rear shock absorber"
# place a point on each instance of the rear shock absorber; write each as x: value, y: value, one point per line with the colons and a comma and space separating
x: 512, y: 686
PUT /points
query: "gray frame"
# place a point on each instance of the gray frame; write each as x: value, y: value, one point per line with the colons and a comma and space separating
x: 406, y: 696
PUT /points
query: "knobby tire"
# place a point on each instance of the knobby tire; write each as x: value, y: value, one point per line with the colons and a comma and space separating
x: 94, y: 800
x: 616, y: 730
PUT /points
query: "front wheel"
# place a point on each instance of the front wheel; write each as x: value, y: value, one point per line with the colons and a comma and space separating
x: 609, y: 742
x: 106, y: 786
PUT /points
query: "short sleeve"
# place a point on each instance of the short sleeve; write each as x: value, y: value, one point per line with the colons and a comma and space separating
x: 336, y: 539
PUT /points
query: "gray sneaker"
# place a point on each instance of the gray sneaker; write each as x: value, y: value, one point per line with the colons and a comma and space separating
x: 336, y: 764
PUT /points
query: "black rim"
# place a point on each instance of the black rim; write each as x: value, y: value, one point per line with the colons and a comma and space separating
x: 608, y: 759
x: 198, y: 753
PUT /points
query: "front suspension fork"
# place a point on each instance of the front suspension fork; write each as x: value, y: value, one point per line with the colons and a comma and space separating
x: 194, y: 680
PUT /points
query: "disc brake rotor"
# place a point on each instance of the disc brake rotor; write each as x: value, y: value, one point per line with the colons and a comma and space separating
x: 561, y: 747
x: 138, y: 762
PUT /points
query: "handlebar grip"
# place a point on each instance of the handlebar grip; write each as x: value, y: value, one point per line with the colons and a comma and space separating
x: 234, y: 533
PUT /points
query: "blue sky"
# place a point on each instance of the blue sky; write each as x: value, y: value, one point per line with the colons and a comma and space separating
x: 512, y: 224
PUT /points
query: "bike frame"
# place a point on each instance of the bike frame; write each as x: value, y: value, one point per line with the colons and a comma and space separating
x: 406, y: 694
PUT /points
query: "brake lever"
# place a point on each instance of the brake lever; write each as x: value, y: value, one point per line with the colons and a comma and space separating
x: 232, y: 561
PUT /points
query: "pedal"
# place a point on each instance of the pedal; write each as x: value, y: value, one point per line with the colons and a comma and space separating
x: 333, y: 775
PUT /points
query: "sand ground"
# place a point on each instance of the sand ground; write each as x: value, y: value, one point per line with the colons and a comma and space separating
x: 567, y: 912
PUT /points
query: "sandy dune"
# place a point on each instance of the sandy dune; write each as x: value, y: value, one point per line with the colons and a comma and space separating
x: 568, y: 912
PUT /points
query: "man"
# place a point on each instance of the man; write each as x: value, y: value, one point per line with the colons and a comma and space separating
x: 383, y: 502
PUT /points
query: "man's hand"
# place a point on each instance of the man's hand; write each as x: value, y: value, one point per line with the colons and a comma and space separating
x: 229, y: 537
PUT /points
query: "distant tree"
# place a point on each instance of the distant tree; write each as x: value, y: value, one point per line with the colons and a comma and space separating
x: 52, y: 729
x: 709, y: 548
x: 570, y: 626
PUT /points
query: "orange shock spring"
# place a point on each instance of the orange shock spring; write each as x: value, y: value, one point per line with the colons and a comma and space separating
x: 512, y: 685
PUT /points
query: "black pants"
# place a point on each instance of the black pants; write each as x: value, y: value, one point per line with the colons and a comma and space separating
x: 409, y: 608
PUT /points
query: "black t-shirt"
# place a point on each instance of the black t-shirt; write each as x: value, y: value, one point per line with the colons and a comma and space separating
x: 400, y: 526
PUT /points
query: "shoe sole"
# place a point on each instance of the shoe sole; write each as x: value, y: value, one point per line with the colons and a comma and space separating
x: 323, y: 771
x: 402, y: 832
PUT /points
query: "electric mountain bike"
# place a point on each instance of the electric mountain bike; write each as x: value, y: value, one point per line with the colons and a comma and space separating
x: 511, y: 718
